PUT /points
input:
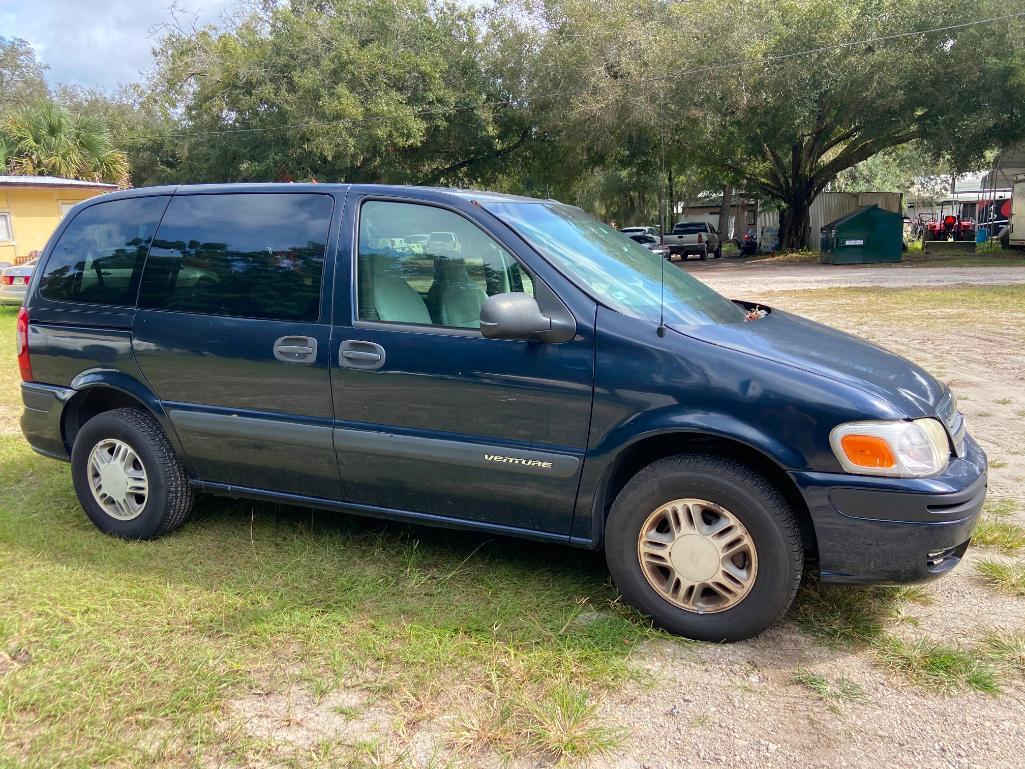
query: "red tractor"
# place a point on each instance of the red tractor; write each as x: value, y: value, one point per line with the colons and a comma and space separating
x: 947, y: 227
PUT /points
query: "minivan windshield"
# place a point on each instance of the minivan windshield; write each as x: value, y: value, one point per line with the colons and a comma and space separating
x: 618, y: 272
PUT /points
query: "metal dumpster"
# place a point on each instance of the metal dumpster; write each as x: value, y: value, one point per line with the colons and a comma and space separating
x: 869, y: 235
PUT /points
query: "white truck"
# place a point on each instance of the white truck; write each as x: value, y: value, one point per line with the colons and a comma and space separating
x: 700, y: 238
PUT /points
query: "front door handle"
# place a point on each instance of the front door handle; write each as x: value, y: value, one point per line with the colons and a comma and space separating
x: 355, y: 353
x: 296, y: 349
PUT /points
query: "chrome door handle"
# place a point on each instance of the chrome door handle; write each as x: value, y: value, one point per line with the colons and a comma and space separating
x: 296, y: 349
x: 354, y: 353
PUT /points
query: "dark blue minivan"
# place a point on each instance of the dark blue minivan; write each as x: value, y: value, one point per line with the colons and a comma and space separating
x: 489, y: 362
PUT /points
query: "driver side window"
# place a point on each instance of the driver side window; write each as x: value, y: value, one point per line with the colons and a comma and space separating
x: 427, y: 266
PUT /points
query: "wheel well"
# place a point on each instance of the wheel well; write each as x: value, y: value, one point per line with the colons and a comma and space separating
x: 88, y: 403
x: 648, y: 450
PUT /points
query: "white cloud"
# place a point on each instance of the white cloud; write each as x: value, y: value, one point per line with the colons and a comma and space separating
x: 98, y: 43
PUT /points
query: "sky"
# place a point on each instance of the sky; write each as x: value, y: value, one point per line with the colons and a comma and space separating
x: 99, y: 43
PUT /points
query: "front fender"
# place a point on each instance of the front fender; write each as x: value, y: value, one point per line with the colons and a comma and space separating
x: 673, y: 420
x: 668, y: 422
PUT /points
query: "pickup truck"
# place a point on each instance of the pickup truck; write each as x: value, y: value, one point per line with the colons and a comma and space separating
x: 689, y: 238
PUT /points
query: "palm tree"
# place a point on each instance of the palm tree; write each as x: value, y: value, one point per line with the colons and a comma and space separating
x: 46, y: 139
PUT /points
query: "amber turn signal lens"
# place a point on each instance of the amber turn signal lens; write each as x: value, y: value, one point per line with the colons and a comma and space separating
x: 867, y: 451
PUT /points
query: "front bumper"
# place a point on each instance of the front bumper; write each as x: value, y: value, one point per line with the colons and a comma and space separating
x: 894, y: 529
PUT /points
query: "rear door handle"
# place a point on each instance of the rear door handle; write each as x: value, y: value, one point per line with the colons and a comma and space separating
x: 355, y: 353
x: 296, y: 349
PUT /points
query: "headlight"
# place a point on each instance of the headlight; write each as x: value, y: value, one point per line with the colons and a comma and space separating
x: 898, y: 449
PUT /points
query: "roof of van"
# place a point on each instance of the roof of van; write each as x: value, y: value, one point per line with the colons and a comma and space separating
x: 481, y: 196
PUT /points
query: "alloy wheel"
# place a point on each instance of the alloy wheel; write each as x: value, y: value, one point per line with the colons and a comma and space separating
x: 697, y: 555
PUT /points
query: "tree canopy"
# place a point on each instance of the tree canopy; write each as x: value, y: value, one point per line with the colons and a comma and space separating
x: 616, y: 107
x: 46, y: 139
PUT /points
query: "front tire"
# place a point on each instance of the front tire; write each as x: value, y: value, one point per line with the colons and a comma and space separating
x: 705, y: 547
x: 127, y: 477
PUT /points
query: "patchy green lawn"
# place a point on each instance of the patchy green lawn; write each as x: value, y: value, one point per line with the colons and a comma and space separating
x: 913, y: 257
x: 261, y: 635
x: 130, y: 653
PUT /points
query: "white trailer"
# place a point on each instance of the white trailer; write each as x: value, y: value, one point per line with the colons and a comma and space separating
x: 1016, y: 230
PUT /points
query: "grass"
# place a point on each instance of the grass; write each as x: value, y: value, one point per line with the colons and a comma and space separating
x: 1008, y: 538
x: 132, y: 648
x: 559, y: 724
x: 863, y: 310
x: 1007, y: 649
x: 983, y: 257
x: 1006, y: 577
x: 846, y: 617
x: 841, y: 692
x: 10, y: 379
x: 996, y: 533
x: 860, y: 618
x: 130, y: 653
x: 913, y: 257
x: 938, y: 665
x: 786, y: 257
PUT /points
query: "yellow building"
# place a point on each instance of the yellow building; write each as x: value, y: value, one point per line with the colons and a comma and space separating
x: 32, y: 206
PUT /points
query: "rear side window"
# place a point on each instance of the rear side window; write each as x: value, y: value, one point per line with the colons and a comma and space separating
x: 247, y: 255
x: 100, y: 255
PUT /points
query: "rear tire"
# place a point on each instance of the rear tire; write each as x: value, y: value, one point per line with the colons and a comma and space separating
x: 755, y: 545
x: 127, y: 477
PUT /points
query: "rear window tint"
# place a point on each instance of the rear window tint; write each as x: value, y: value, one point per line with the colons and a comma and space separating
x: 249, y: 255
x: 689, y: 228
x: 100, y: 255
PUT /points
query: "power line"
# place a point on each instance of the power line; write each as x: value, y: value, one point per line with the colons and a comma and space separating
x: 763, y: 60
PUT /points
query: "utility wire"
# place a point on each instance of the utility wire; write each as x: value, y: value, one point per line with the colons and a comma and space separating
x: 573, y: 91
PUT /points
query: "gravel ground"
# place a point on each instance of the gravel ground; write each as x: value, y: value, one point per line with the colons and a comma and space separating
x: 736, y: 705
x: 730, y: 276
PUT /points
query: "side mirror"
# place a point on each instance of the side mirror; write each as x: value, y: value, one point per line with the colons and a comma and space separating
x: 512, y: 316
x: 518, y: 316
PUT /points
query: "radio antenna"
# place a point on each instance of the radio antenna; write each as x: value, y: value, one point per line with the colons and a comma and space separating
x: 664, y: 216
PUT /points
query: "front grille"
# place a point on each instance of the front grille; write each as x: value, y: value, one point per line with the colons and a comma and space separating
x: 954, y: 421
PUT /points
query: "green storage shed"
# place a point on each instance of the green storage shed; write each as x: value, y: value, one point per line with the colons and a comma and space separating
x: 870, y: 234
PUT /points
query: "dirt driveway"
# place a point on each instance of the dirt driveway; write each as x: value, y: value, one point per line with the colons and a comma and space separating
x: 733, y: 276
x: 777, y: 701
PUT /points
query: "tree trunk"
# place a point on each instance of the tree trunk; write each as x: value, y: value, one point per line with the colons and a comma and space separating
x: 724, y: 211
x: 794, y: 219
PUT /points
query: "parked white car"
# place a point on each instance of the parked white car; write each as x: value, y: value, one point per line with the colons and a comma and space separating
x: 650, y: 242
x: 651, y: 231
x: 14, y: 282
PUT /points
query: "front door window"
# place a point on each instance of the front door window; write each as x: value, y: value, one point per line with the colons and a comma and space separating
x: 427, y: 266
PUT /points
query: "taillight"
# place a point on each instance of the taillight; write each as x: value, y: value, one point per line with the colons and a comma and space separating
x: 701, y: 238
x: 7, y: 280
x: 24, y: 363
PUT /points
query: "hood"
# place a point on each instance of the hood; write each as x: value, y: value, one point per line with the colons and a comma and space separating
x: 813, y: 347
